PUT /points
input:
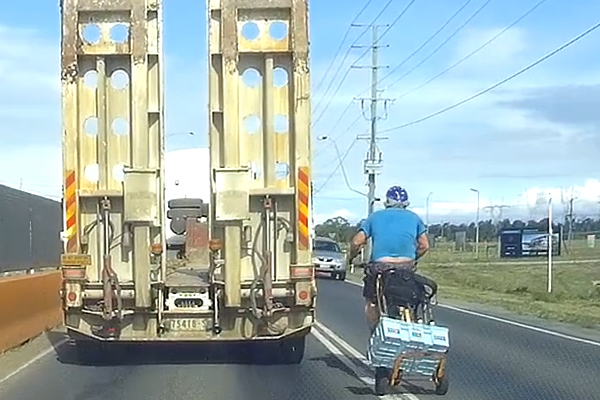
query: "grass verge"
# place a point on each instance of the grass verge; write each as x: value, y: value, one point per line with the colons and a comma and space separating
x: 520, y: 287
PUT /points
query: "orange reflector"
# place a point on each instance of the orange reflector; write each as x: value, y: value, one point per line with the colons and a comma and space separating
x: 73, y: 273
x: 302, y: 272
x: 214, y: 244
x: 72, y: 296
x: 303, y: 295
x: 156, y: 249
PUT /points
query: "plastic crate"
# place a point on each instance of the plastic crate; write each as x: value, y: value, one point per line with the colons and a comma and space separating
x: 393, y: 338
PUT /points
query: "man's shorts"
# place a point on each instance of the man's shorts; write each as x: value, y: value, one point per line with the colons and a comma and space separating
x: 371, y: 271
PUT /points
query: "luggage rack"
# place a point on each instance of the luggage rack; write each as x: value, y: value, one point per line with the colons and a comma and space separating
x: 406, y: 345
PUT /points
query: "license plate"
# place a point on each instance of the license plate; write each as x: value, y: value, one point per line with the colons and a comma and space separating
x: 187, y: 324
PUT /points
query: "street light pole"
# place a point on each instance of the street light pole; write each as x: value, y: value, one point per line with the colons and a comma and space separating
x: 476, y: 225
x: 427, y: 211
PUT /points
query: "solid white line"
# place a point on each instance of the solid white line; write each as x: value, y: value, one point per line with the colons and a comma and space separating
x: 35, y: 359
x: 325, y: 337
x: 509, y: 322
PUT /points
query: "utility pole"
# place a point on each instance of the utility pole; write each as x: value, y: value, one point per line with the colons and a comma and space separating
x: 373, y: 163
x: 476, y: 191
x: 373, y: 144
x: 570, y: 219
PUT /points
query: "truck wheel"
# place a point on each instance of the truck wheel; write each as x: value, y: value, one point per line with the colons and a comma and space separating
x: 90, y: 352
x: 292, y: 350
x: 442, y: 386
x: 382, y: 381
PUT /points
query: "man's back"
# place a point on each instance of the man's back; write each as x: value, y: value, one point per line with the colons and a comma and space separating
x: 394, y: 233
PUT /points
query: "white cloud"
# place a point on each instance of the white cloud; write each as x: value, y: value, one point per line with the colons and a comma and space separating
x: 501, y: 53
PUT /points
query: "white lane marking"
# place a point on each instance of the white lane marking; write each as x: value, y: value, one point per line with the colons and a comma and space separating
x: 509, y: 322
x: 334, y: 343
x: 35, y: 359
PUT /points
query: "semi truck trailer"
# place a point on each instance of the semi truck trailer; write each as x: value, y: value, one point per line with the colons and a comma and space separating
x: 246, y: 275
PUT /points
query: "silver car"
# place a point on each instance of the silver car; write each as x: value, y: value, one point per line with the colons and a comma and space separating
x: 328, y: 258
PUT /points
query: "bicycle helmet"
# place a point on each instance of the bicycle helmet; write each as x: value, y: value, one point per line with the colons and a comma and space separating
x: 396, y: 196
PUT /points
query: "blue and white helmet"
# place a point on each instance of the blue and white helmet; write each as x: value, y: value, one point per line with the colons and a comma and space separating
x: 396, y: 196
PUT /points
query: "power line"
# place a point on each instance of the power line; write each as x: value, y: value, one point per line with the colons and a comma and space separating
x: 337, y: 53
x: 363, y: 54
x: 477, y: 50
x: 440, y: 29
x: 511, y: 77
x: 460, y: 28
x: 341, y: 132
x: 339, y: 68
x: 339, y: 165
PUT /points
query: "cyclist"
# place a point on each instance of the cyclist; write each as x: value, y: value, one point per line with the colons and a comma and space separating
x: 398, y: 237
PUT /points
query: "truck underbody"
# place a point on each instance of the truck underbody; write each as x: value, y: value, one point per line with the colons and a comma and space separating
x: 244, y: 272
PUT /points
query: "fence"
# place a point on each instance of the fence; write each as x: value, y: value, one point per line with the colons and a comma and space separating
x: 30, y: 229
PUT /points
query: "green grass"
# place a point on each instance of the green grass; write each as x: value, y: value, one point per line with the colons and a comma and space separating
x: 520, y: 285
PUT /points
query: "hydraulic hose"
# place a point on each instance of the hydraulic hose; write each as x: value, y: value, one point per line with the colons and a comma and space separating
x: 256, y: 270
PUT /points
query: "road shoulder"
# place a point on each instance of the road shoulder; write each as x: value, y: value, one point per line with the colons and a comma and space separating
x: 14, y: 361
x: 562, y: 328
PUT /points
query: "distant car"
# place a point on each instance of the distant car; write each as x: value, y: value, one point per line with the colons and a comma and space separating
x: 328, y: 258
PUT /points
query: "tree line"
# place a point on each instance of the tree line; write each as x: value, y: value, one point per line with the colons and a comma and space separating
x: 342, y: 230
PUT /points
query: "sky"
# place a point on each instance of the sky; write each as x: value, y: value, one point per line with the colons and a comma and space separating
x: 535, y: 135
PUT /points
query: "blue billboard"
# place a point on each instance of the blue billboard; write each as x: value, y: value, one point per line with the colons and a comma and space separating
x: 528, y: 243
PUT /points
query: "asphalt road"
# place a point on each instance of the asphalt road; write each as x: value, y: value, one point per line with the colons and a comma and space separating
x: 179, y: 373
x: 489, y: 360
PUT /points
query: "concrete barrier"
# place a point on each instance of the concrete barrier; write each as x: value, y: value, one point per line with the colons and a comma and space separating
x: 30, y: 305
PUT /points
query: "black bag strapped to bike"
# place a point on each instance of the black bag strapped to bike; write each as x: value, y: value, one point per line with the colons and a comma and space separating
x: 401, y: 285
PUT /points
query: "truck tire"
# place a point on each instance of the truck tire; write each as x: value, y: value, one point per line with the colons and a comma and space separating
x: 291, y: 351
x: 178, y: 225
x: 90, y: 352
x: 185, y: 203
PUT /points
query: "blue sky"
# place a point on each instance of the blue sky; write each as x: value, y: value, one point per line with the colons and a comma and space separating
x: 537, y: 132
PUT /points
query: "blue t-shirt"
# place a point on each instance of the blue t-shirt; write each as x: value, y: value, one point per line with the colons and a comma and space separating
x: 393, y: 232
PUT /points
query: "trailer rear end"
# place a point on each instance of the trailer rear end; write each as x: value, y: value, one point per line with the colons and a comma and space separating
x: 246, y: 274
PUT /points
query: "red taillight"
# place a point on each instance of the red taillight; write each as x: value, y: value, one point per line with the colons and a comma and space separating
x: 73, y: 273
x: 303, y: 295
x: 72, y: 296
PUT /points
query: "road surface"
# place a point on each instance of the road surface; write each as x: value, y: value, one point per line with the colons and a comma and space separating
x: 489, y: 360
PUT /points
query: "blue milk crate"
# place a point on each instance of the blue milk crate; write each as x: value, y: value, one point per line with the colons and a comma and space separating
x: 393, y: 338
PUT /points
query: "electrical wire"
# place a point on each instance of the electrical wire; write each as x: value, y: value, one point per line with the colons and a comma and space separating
x: 440, y: 29
x: 340, y: 133
x: 364, y: 54
x: 477, y: 50
x: 502, y: 82
x: 339, y: 165
x: 460, y: 28
x: 337, y: 71
x: 337, y: 52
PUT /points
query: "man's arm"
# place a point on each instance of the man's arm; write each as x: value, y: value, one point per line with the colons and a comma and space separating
x: 422, y: 239
x: 357, y: 243
x: 360, y: 239
x: 422, y: 245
